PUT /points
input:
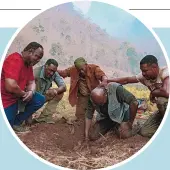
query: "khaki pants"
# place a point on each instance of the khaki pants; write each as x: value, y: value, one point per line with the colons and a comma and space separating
x: 151, y: 125
x: 50, y: 107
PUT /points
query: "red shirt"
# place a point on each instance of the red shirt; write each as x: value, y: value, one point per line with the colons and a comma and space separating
x: 14, y: 68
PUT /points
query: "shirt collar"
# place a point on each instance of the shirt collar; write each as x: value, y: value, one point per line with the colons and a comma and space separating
x: 42, y: 74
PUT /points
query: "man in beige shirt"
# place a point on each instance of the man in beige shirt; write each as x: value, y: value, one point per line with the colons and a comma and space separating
x: 157, y: 81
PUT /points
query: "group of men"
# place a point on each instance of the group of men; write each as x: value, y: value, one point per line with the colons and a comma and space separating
x: 24, y: 90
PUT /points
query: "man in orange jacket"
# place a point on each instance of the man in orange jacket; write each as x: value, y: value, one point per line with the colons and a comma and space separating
x: 83, y: 79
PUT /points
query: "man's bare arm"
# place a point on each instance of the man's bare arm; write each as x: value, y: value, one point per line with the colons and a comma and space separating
x: 124, y: 80
x: 88, y: 119
x: 162, y: 92
x: 104, y: 81
x: 64, y: 73
x: 31, y: 86
x: 133, y: 110
x: 11, y: 86
x: 88, y: 123
x: 61, y: 89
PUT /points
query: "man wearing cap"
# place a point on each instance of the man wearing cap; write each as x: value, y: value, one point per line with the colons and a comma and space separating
x: 83, y: 79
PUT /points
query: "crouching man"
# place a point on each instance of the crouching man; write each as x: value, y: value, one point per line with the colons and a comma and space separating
x: 18, y: 94
x: 116, y: 108
x: 44, y: 76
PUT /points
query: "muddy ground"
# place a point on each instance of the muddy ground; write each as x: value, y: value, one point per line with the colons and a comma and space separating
x: 63, y: 145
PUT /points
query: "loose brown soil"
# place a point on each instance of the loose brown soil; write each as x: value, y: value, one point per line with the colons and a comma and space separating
x: 63, y: 145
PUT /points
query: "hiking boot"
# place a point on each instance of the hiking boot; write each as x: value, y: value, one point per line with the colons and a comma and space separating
x: 21, y: 129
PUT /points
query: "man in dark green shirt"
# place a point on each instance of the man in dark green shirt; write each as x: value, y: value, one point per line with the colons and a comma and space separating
x: 44, y: 76
x: 116, y: 108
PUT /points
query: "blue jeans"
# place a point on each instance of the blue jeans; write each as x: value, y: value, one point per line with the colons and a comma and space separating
x: 32, y: 106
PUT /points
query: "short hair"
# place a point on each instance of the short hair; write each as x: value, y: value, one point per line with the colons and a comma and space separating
x: 149, y: 59
x: 33, y: 45
x: 51, y: 61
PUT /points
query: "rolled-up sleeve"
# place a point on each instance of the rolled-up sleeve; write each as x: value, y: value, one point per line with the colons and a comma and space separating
x: 90, y: 110
x: 124, y: 95
x: 59, y: 80
x: 99, y: 73
x: 140, y: 78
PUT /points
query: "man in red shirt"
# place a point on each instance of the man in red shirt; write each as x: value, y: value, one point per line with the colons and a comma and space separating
x: 18, y: 85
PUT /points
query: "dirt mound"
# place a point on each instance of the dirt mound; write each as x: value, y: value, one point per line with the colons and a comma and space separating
x: 60, y: 135
x: 63, y: 145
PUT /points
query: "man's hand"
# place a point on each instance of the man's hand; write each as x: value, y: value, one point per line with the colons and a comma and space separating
x: 52, y: 92
x: 86, y: 142
x: 124, y: 130
x: 103, y: 83
x: 152, y: 98
x: 55, y: 92
x: 28, y: 96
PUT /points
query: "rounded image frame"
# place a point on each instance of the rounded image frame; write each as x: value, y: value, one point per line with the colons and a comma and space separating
x: 110, y: 167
